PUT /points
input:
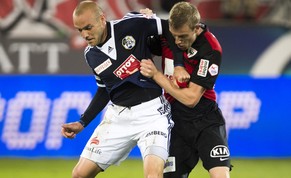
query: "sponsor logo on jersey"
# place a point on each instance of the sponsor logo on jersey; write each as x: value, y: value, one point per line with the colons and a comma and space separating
x: 221, y: 152
x: 170, y: 165
x: 99, y: 69
x: 128, y: 67
x: 213, y: 69
x: 203, y: 66
x: 110, y: 49
x: 191, y: 52
x: 156, y: 133
x: 95, y: 141
x: 223, y: 159
x: 94, y: 150
x: 128, y: 42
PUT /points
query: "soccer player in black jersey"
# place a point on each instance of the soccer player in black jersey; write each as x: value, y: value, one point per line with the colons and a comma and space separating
x: 138, y: 113
x: 199, y: 131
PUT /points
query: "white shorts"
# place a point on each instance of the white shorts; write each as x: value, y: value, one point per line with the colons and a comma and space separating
x: 147, y: 125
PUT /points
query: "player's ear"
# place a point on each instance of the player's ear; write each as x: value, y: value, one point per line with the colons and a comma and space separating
x: 103, y: 19
x: 196, y: 28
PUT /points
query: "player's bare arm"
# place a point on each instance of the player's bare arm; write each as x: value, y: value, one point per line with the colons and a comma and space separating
x: 189, y: 96
x: 147, y: 12
x: 180, y: 74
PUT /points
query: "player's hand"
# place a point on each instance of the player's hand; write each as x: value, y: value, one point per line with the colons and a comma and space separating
x: 148, y: 68
x: 70, y: 130
x: 181, y: 75
x: 147, y: 12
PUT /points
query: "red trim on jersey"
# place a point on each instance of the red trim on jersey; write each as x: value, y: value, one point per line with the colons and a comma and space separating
x: 210, y: 94
x: 213, y: 41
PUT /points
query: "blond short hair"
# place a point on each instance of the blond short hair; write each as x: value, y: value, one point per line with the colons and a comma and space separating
x: 88, y: 6
x: 184, y: 13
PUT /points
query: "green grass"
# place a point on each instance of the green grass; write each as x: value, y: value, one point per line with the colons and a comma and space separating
x: 132, y: 168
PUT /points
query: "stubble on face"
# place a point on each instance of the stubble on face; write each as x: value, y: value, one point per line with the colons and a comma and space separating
x: 90, y: 27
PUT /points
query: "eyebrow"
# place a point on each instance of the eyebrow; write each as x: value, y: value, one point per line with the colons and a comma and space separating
x: 85, y: 27
x: 180, y: 36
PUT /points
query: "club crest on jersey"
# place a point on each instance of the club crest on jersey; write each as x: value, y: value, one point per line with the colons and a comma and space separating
x: 128, y: 42
x: 128, y: 67
x: 203, y: 66
x: 213, y: 69
x: 191, y: 52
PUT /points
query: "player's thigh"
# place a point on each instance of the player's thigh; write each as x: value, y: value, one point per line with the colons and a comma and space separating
x: 111, y: 142
x: 155, y: 124
x: 155, y: 138
x: 183, y: 158
x: 213, y: 147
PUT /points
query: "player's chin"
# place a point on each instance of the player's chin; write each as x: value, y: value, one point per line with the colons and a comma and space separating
x: 91, y: 42
x: 183, y: 48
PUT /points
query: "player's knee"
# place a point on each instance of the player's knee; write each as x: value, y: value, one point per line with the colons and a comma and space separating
x: 176, y: 175
x: 154, y: 175
x: 153, y: 166
x: 76, y: 173
x: 219, y: 172
x: 156, y: 172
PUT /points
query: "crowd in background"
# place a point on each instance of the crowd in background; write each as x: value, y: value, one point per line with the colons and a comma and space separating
x: 274, y: 12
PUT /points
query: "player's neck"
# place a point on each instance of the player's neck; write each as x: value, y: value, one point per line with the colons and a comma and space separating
x: 105, y: 33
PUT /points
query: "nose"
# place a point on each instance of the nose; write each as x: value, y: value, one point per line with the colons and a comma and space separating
x: 84, y: 34
x: 177, y: 40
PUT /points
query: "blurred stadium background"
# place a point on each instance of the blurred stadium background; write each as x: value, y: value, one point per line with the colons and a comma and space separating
x: 45, y: 81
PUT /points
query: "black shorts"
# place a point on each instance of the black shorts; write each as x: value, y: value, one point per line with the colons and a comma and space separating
x: 203, y: 138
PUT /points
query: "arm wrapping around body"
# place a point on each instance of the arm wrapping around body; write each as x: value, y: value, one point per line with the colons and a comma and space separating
x: 177, y: 52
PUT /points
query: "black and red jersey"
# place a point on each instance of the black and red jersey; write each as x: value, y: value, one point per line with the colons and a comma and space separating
x: 202, y: 61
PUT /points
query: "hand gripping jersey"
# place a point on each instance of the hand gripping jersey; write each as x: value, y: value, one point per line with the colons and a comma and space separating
x: 116, y: 62
x: 202, y: 61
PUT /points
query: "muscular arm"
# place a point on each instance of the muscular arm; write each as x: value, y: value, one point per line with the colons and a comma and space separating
x: 180, y: 73
x: 189, y: 96
x: 155, y: 45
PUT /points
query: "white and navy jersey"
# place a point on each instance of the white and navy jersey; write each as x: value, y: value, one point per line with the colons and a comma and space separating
x: 116, y: 62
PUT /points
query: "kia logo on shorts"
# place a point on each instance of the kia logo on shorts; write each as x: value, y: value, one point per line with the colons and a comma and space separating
x: 219, y: 151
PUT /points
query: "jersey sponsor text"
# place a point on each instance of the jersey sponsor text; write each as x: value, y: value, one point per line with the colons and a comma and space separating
x: 99, y: 69
x: 203, y: 66
x: 128, y: 67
